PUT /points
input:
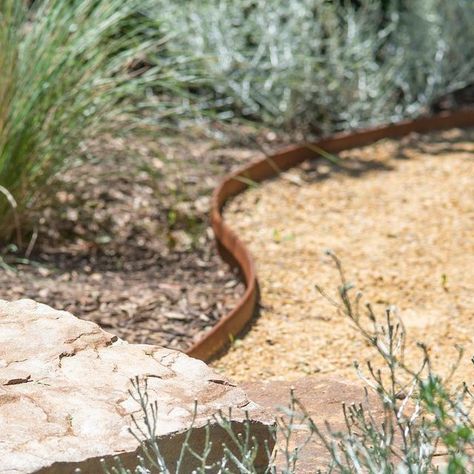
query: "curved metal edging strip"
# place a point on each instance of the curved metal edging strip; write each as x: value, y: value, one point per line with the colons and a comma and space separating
x: 235, y: 252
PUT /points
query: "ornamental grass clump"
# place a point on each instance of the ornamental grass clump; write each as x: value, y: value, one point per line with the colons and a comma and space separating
x: 70, y: 71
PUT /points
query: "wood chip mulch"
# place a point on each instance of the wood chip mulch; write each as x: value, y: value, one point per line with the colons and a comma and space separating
x: 125, y: 240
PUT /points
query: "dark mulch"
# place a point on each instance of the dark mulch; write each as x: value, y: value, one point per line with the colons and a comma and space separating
x: 126, y: 242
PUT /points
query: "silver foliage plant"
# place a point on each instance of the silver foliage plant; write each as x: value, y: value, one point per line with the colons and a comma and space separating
x: 325, y: 64
x: 238, y: 454
x: 412, y: 422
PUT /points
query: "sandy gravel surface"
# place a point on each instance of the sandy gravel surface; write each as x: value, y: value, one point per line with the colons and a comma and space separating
x: 400, y: 216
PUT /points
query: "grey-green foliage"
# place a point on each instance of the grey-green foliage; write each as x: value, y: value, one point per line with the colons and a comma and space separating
x: 435, y: 43
x: 412, y: 422
x: 239, y: 453
x: 426, y: 424
x: 322, y: 63
x: 70, y: 70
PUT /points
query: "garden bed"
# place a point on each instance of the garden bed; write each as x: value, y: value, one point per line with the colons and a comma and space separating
x: 126, y: 241
x: 399, y: 214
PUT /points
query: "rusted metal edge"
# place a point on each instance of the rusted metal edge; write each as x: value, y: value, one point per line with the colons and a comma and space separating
x: 233, y: 250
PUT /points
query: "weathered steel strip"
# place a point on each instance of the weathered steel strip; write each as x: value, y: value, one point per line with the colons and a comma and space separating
x: 235, y: 252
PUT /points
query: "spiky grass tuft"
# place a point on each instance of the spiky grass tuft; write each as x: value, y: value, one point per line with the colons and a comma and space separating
x: 70, y: 70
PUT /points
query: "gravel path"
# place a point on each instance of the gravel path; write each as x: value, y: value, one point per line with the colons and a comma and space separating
x: 400, y: 216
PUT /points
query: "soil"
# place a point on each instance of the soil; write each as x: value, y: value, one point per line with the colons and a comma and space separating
x: 125, y: 239
x: 400, y: 217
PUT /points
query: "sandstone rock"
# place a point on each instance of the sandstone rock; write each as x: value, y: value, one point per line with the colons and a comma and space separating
x: 322, y: 398
x: 64, y: 400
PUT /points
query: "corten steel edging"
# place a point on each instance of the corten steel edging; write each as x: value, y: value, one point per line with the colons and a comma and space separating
x: 236, y: 253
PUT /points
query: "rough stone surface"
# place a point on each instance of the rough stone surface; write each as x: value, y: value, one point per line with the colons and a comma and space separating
x: 64, y: 400
x: 322, y: 398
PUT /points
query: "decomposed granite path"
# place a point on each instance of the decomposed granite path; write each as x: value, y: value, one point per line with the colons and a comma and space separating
x: 400, y: 216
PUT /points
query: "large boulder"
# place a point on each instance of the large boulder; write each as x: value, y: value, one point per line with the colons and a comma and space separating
x: 65, y: 401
